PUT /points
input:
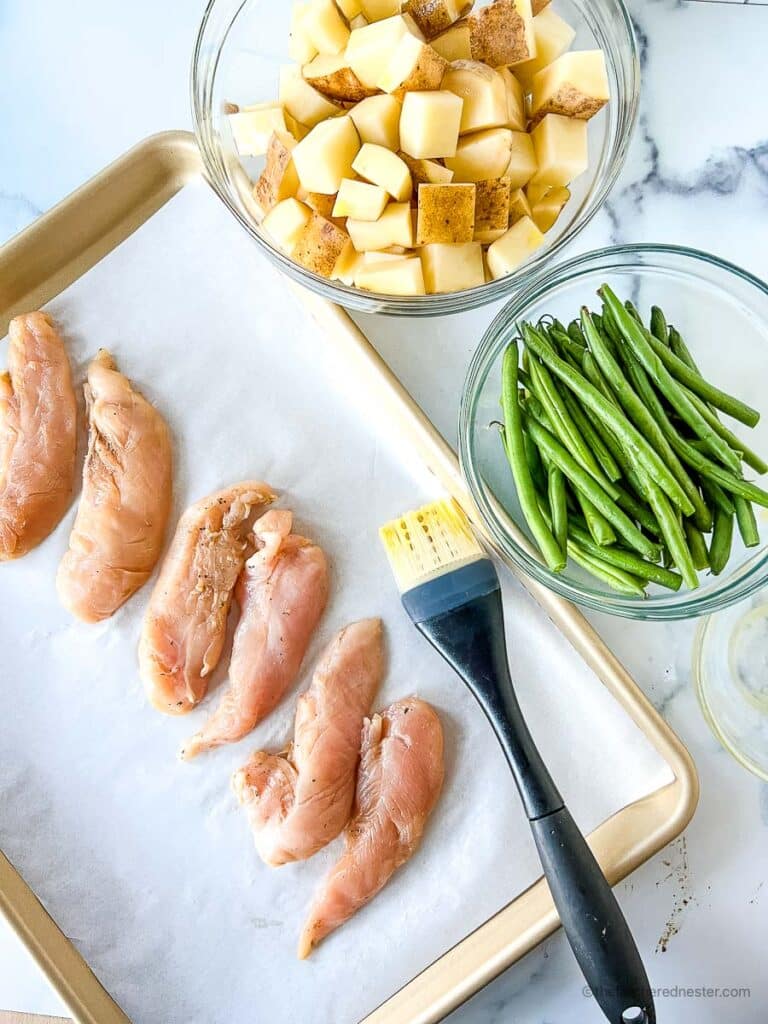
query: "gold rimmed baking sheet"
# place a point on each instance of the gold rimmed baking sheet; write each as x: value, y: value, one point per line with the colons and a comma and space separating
x: 56, y: 251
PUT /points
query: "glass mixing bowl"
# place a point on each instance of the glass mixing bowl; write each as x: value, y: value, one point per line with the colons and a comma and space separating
x: 240, y: 48
x: 721, y: 311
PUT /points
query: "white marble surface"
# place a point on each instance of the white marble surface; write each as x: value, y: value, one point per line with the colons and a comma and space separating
x: 85, y: 80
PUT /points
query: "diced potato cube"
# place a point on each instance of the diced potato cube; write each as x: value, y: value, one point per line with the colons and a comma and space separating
x: 377, y: 120
x: 326, y: 155
x: 516, y: 115
x: 576, y: 85
x: 350, y: 8
x: 346, y: 265
x: 427, y: 172
x: 453, y: 44
x: 375, y: 259
x: 547, y: 210
x: 278, y: 180
x: 319, y: 245
x: 435, y: 16
x: 300, y: 46
x: 553, y: 36
x: 402, y: 276
x: 358, y: 22
x: 285, y: 223
x: 370, y: 48
x: 452, y: 268
x: 522, y: 161
x: 331, y: 75
x: 361, y: 201
x: 327, y: 30
x: 484, y: 94
x: 385, y: 169
x: 320, y: 203
x: 414, y: 66
x: 518, y: 206
x: 561, y: 148
x: 376, y: 10
x: 429, y: 124
x: 483, y: 155
x: 446, y: 213
x: 305, y: 104
x: 394, y: 227
x: 491, y: 209
x: 252, y: 129
x: 502, y: 33
x: 514, y: 248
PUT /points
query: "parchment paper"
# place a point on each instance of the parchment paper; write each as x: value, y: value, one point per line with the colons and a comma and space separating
x: 147, y: 863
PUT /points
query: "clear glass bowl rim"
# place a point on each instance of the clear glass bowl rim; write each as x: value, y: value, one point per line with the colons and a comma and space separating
x: 424, y: 305
x: 752, y: 575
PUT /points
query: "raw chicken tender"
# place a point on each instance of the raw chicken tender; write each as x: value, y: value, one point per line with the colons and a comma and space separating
x: 186, y: 622
x: 123, y: 512
x: 399, y: 781
x: 38, y: 435
x: 282, y: 592
x: 301, y: 800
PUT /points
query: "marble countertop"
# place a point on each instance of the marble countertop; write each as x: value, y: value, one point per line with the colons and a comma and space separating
x: 84, y: 81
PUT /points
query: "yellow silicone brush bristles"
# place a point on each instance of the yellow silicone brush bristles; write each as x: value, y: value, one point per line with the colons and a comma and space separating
x: 429, y: 542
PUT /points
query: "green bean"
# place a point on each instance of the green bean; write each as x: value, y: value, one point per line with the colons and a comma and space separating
x: 591, y: 436
x: 672, y: 532
x: 535, y: 465
x: 584, y: 483
x: 645, y: 347
x: 733, y: 440
x: 569, y: 349
x: 639, y: 414
x: 659, y: 326
x: 599, y: 528
x: 565, y: 428
x: 747, y: 521
x: 722, y: 540
x: 594, y: 375
x: 626, y: 433
x: 680, y: 349
x: 558, y: 505
x: 553, y: 555
x: 627, y: 560
x: 696, y: 545
x: 616, y: 578
x: 575, y: 333
x: 678, y: 369
x: 633, y: 311
x: 717, y: 497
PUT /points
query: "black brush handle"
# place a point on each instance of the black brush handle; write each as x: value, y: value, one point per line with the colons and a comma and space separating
x: 470, y: 636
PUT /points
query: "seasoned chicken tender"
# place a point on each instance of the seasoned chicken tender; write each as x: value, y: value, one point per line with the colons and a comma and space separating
x: 282, y: 592
x: 398, y: 783
x: 38, y: 435
x: 126, y: 499
x: 185, y: 625
x: 300, y: 800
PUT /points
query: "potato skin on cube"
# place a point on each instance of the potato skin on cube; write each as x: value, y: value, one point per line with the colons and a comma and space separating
x: 514, y: 247
x: 326, y: 155
x: 319, y: 245
x: 435, y: 16
x: 279, y: 179
x: 491, y: 209
x: 446, y: 213
x: 502, y: 33
x: 414, y: 67
x: 575, y: 85
x: 333, y: 77
x: 429, y: 124
x: 452, y: 268
x: 537, y: 6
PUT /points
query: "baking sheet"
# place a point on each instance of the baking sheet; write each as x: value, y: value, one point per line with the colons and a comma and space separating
x: 147, y: 863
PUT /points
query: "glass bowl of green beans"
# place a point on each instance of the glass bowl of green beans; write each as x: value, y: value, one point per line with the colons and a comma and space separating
x: 613, y: 431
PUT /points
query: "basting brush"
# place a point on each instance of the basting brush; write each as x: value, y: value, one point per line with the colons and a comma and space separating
x: 451, y: 591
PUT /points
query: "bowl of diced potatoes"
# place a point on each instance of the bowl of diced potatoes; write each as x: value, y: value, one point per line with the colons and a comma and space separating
x: 414, y: 157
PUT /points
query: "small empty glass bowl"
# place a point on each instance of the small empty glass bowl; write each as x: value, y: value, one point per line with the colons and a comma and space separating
x: 240, y: 48
x: 730, y: 673
x: 722, y: 313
